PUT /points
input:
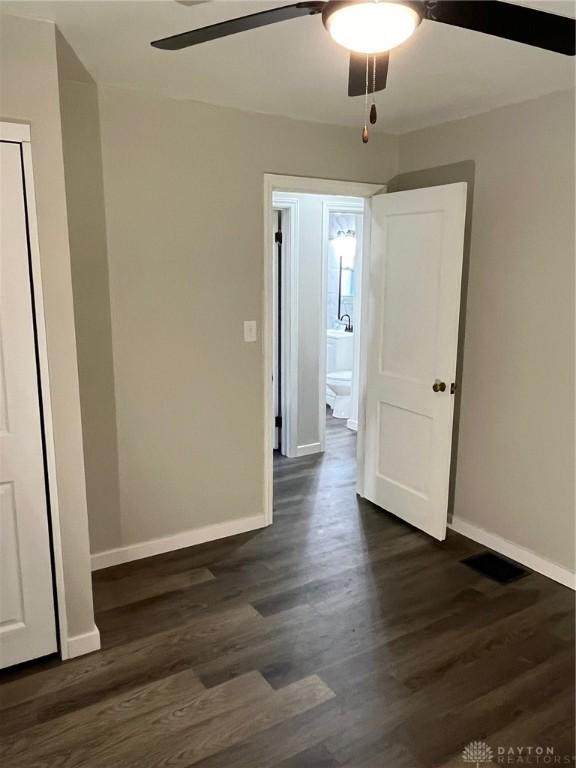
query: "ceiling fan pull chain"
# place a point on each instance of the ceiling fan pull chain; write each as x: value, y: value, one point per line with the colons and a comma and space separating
x: 365, y: 129
x: 373, y: 112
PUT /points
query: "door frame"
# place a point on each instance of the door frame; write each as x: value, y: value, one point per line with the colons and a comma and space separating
x: 289, y: 329
x: 19, y: 133
x: 303, y: 185
x: 346, y: 206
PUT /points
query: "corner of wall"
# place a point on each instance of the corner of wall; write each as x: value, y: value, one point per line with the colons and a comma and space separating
x: 30, y: 93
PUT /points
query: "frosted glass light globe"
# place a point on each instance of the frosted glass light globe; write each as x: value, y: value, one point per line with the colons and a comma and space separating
x: 371, y: 27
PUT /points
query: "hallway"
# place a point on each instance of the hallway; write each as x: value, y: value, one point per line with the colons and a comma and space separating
x: 337, y: 637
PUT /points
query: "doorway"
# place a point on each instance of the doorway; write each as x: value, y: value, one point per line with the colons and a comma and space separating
x: 343, y: 241
x: 290, y: 186
x: 317, y: 263
x: 411, y: 284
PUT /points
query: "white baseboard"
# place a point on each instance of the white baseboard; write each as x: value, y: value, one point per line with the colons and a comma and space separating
x: 352, y: 424
x: 177, y: 541
x: 306, y: 450
x: 78, y: 645
x: 522, y: 555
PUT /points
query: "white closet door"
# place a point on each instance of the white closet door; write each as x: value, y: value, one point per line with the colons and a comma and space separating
x: 27, y: 620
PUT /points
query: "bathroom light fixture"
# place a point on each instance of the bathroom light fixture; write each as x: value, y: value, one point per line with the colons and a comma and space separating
x: 345, y: 248
x: 370, y: 27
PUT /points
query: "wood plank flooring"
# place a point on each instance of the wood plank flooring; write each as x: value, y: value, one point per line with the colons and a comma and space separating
x: 338, y: 637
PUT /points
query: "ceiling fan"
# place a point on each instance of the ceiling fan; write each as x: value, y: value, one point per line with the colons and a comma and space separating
x: 370, y: 29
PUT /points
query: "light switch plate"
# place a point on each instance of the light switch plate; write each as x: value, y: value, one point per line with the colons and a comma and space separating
x: 250, y: 331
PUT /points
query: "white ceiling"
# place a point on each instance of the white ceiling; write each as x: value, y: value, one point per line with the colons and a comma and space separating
x: 295, y: 69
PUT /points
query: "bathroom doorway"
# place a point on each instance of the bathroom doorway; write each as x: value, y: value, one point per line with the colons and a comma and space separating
x: 317, y: 260
x: 343, y: 238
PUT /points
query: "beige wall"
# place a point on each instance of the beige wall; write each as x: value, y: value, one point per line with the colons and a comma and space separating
x: 309, y: 292
x: 183, y: 226
x: 89, y: 259
x: 184, y: 199
x: 29, y: 93
x: 515, y: 470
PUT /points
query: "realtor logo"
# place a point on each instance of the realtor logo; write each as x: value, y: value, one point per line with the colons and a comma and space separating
x: 478, y: 753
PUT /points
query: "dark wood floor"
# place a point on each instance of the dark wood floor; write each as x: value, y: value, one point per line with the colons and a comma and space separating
x: 338, y: 637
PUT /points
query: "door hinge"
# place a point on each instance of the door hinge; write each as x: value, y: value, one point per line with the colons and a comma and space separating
x: 453, y: 388
x: 278, y: 422
x: 278, y: 237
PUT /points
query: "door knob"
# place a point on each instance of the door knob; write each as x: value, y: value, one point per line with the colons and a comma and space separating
x: 439, y: 386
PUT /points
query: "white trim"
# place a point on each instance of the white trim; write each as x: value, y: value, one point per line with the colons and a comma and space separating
x: 292, y: 184
x: 357, y: 320
x: 177, y: 541
x: 314, y: 186
x: 289, y: 330
x: 323, y: 339
x: 309, y: 448
x: 268, y: 351
x: 363, y: 360
x: 78, y: 645
x: 45, y: 391
x: 516, y: 552
x: 16, y: 132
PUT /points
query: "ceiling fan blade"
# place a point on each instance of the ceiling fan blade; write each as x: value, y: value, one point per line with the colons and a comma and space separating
x: 357, y: 73
x: 512, y: 22
x: 241, y: 24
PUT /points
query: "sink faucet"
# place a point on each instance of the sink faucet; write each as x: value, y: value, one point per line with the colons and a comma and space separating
x: 348, y: 323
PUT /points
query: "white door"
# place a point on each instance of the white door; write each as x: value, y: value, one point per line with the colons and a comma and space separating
x: 27, y: 621
x: 413, y: 313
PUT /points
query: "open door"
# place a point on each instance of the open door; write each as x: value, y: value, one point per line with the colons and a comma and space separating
x: 413, y: 312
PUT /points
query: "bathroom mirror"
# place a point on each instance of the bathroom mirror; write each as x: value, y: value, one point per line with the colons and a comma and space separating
x: 343, y: 245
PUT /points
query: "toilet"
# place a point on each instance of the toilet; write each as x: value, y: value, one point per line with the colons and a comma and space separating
x: 339, y: 361
x: 338, y: 393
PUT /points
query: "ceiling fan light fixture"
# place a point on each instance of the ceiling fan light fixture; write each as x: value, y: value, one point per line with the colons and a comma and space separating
x: 370, y: 27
